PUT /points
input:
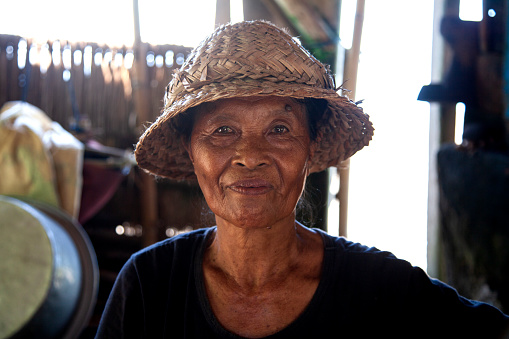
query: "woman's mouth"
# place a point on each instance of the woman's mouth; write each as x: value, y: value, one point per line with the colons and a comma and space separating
x: 251, y: 186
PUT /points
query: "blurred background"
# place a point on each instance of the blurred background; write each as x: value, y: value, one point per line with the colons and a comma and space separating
x: 79, y: 82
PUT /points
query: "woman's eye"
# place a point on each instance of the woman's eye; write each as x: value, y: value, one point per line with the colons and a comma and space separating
x: 224, y: 130
x: 280, y: 129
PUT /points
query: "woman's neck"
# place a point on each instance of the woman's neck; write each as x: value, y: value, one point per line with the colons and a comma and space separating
x: 252, y: 258
x: 258, y: 281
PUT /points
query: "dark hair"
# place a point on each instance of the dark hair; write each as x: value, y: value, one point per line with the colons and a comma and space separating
x: 315, y: 109
x: 307, y: 206
x: 183, y: 123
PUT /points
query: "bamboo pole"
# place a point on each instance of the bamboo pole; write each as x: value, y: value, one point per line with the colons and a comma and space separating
x: 142, y: 104
x: 350, y: 75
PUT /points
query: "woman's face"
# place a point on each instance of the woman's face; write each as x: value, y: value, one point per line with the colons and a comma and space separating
x: 250, y: 156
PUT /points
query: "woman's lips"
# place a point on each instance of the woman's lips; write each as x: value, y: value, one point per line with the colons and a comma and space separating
x: 251, y: 186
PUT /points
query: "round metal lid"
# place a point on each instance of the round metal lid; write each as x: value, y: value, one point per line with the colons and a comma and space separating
x: 25, y: 267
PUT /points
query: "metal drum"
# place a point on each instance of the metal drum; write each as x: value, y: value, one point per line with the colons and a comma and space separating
x: 48, y: 272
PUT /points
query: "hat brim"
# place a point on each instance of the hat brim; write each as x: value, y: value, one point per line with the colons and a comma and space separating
x: 343, y: 130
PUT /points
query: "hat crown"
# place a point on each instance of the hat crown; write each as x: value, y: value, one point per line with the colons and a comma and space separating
x: 248, y: 52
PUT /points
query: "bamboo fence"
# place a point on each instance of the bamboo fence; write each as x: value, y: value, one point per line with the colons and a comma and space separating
x: 86, y: 86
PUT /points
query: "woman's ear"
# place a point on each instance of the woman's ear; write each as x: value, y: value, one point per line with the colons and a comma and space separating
x: 187, y: 145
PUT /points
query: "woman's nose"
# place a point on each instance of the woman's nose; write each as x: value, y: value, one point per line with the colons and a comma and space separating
x: 251, y: 152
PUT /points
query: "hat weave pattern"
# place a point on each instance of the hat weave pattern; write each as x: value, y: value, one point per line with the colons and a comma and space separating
x: 251, y: 59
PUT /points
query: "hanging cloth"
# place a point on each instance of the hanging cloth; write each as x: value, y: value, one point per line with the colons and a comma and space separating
x: 38, y: 158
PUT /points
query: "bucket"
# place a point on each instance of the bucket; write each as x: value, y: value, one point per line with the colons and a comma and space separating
x: 48, y: 272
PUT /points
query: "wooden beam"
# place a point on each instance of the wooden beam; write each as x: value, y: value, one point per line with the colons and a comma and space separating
x: 142, y: 104
x: 222, y: 12
x: 306, y: 17
x: 267, y: 10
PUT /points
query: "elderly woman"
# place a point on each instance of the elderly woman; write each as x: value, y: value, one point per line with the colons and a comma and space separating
x: 249, y: 116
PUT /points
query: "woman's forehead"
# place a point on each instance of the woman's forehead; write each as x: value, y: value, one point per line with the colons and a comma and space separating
x: 239, y: 106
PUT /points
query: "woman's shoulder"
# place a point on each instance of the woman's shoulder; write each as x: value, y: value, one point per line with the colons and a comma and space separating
x: 347, y: 246
x: 181, y: 240
x: 365, y: 264
x: 180, y: 248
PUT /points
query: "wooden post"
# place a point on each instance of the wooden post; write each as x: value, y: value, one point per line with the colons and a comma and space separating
x: 222, y: 12
x: 442, y: 120
x: 142, y: 104
x: 350, y: 76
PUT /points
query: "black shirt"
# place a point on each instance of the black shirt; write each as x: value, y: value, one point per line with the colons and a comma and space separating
x: 363, y: 293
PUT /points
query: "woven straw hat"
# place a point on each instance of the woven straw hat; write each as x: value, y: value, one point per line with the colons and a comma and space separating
x: 252, y: 58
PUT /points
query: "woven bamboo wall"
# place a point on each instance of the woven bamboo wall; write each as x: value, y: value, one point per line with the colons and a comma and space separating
x: 95, y: 79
